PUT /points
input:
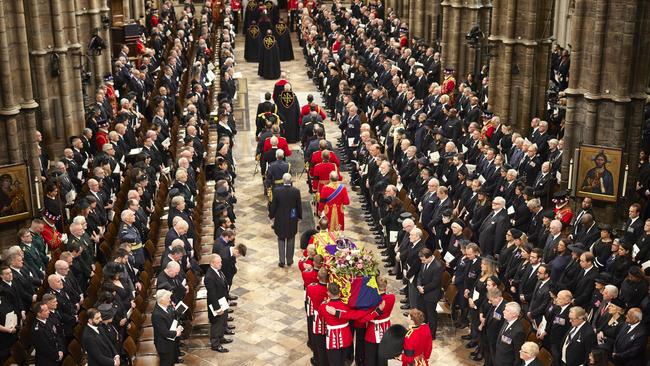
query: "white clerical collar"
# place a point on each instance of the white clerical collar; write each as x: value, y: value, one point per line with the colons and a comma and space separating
x: 94, y: 328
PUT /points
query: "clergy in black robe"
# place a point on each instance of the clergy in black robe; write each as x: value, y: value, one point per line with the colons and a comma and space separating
x: 289, y: 111
x: 283, y: 36
x: 269, y: 60
x: 273, y: 11
x: 252, y: 46
x: 250, y: 15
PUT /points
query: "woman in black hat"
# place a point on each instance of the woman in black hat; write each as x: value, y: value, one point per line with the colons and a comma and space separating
x: 622, y: 263
x: 602, y: 248
x: 517, y: 256
x: 607, y: 332
x: 452, y: 245
x: 634, y: 288
x: 513, y: 237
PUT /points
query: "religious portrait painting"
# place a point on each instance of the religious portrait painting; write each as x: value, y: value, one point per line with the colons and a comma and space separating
x: 599, y: 170
x: 15, y: 199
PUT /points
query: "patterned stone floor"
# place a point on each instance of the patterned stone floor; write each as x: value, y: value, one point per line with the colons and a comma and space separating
x: 270, y: 321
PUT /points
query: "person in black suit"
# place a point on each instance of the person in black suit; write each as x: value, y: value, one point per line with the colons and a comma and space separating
x: 510, y: 338
x: 587, y: 232
x: 584, y: 285
x: 579, y: 340
x: 528, y: 354
x: 630, y: 343
x: 444, y: 205
x: 429, y: 286
x: 165, y: 329
x: 12, y: 294
x: 492, y: 232
x: 229, y: 257
x: 100, y: 350
x: 634, y: 225
x: 557, y: 324
x: 26, y: 284
x: 285, y: 211
x: 49, y: 349
x: 413, y: 266
x: 215, y: 284
x: 541, y: 295
x: 492, y: 323
x: 169, y: 280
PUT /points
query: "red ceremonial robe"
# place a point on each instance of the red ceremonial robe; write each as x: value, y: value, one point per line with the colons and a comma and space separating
x: 332, y: 207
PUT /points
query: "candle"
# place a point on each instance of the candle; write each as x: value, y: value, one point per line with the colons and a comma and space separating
x: 625, y: 181
x: 38, y: 195
x: 569, y: 180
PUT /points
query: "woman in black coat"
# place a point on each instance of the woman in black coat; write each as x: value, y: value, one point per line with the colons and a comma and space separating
x: 634, y: 288
x: 607, y: 332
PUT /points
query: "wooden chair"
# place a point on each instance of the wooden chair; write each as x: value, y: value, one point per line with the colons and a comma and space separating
x: 69, y: 361
x: 446, y: 307
x: 74, y: 349
x: 130, y: 347
x: 545, y: 357
x: 19, y: 353
x: 10, y: 362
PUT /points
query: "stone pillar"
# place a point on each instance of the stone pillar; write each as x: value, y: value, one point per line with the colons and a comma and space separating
x: 418, y: 17
x: 607, y: 85
x: 520, y: 40
x: 61, y: 49
x: 433, y: 12
x: 76, y: 58
x: 458, y: 17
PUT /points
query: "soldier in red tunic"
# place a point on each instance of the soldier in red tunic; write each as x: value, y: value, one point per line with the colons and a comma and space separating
x: 317, y: 156
x: 332, y: 199
x: 52, y: 237
x: 320, y: 172
x: 316, y: 294
x: 338, y: 337
x: 102, y: 135
x: 417, y: 342
x: 375, y: 322
x: 562, y: 210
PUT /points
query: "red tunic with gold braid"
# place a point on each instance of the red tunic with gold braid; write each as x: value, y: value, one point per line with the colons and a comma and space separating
x: 317, y: 158
x: 52, y: 237
x: 417, y: 346
x: 333, y: 207
x: 337, y: 331
x: 448, y: 88
x: 564, y: 214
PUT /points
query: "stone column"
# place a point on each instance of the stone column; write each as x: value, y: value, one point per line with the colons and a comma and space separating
x: 61, y: 49
x: 9, y: 106
x: 76, y: 56
x: 418, y: 17
x: 607, y: 85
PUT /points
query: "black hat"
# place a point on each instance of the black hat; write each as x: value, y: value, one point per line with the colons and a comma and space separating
x: 219, y: 207
x: 549, y: 214
x: 560, y: 196
x: 403, y: 216
x: 618, y: 302
x: 495, y: 279
x: 483, y: 191
x: 516, y: 233
x: 460, y: 223
x: 522, y: 187
x: 449, y: 70
x: 635, y: 271
x: 83, y: 204
x: 447, y: 212
x: 392, y: 343
x: 428, y: 123
x: 577, y: 248
x: 489, y: 258
x: 604, y: 278
x: 528, y: 191
x: 528, y: 247
x: 488, y: 115
x: 423, y: 160
x: 107, y: 311
x: 606, y: 227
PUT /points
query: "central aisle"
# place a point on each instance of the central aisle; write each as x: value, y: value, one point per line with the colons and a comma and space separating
x: 270, y: 318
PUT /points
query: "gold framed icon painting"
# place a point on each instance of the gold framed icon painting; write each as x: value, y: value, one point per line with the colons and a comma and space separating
x: 15, y: 198
x: 599, y: 170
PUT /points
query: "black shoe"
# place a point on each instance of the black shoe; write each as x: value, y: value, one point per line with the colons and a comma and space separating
x: 229, y: 311
x: 404, y: 301
x: 312, y: 361
x: 386, y: 260
x: 181, y: 354
x: 399, y: 276
x: 281, y: 265
x: 390, y: 272
x: 477, y: 357
x: 179, y: 360
x: 466, y: 337
x: 233, y: 298
x: 225, y: 340
x: 471, y: 344
x: 461, y: 325
x: 232, y: 303
x: 389, y: 265
x: 405, y: 307
x: 229, y: 332
x: 384, y: 252
x: 230, y: 318
x: 220, y: 349
x: 475, y: 352
x: 401, y: 292
x: 231, y: 327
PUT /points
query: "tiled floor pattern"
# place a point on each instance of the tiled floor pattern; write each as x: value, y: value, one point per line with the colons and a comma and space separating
x: 270, y: 320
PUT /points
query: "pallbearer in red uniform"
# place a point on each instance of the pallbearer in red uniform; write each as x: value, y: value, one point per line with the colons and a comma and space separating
x: 321, y: 172
x: 316, y: 294
x: 317, y: 156
x: 332, y: 199
x: 308, y: 258
x: 417, y: 342
x: 338, y: 336
x: 310, y: 274
x: 375, y: 321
